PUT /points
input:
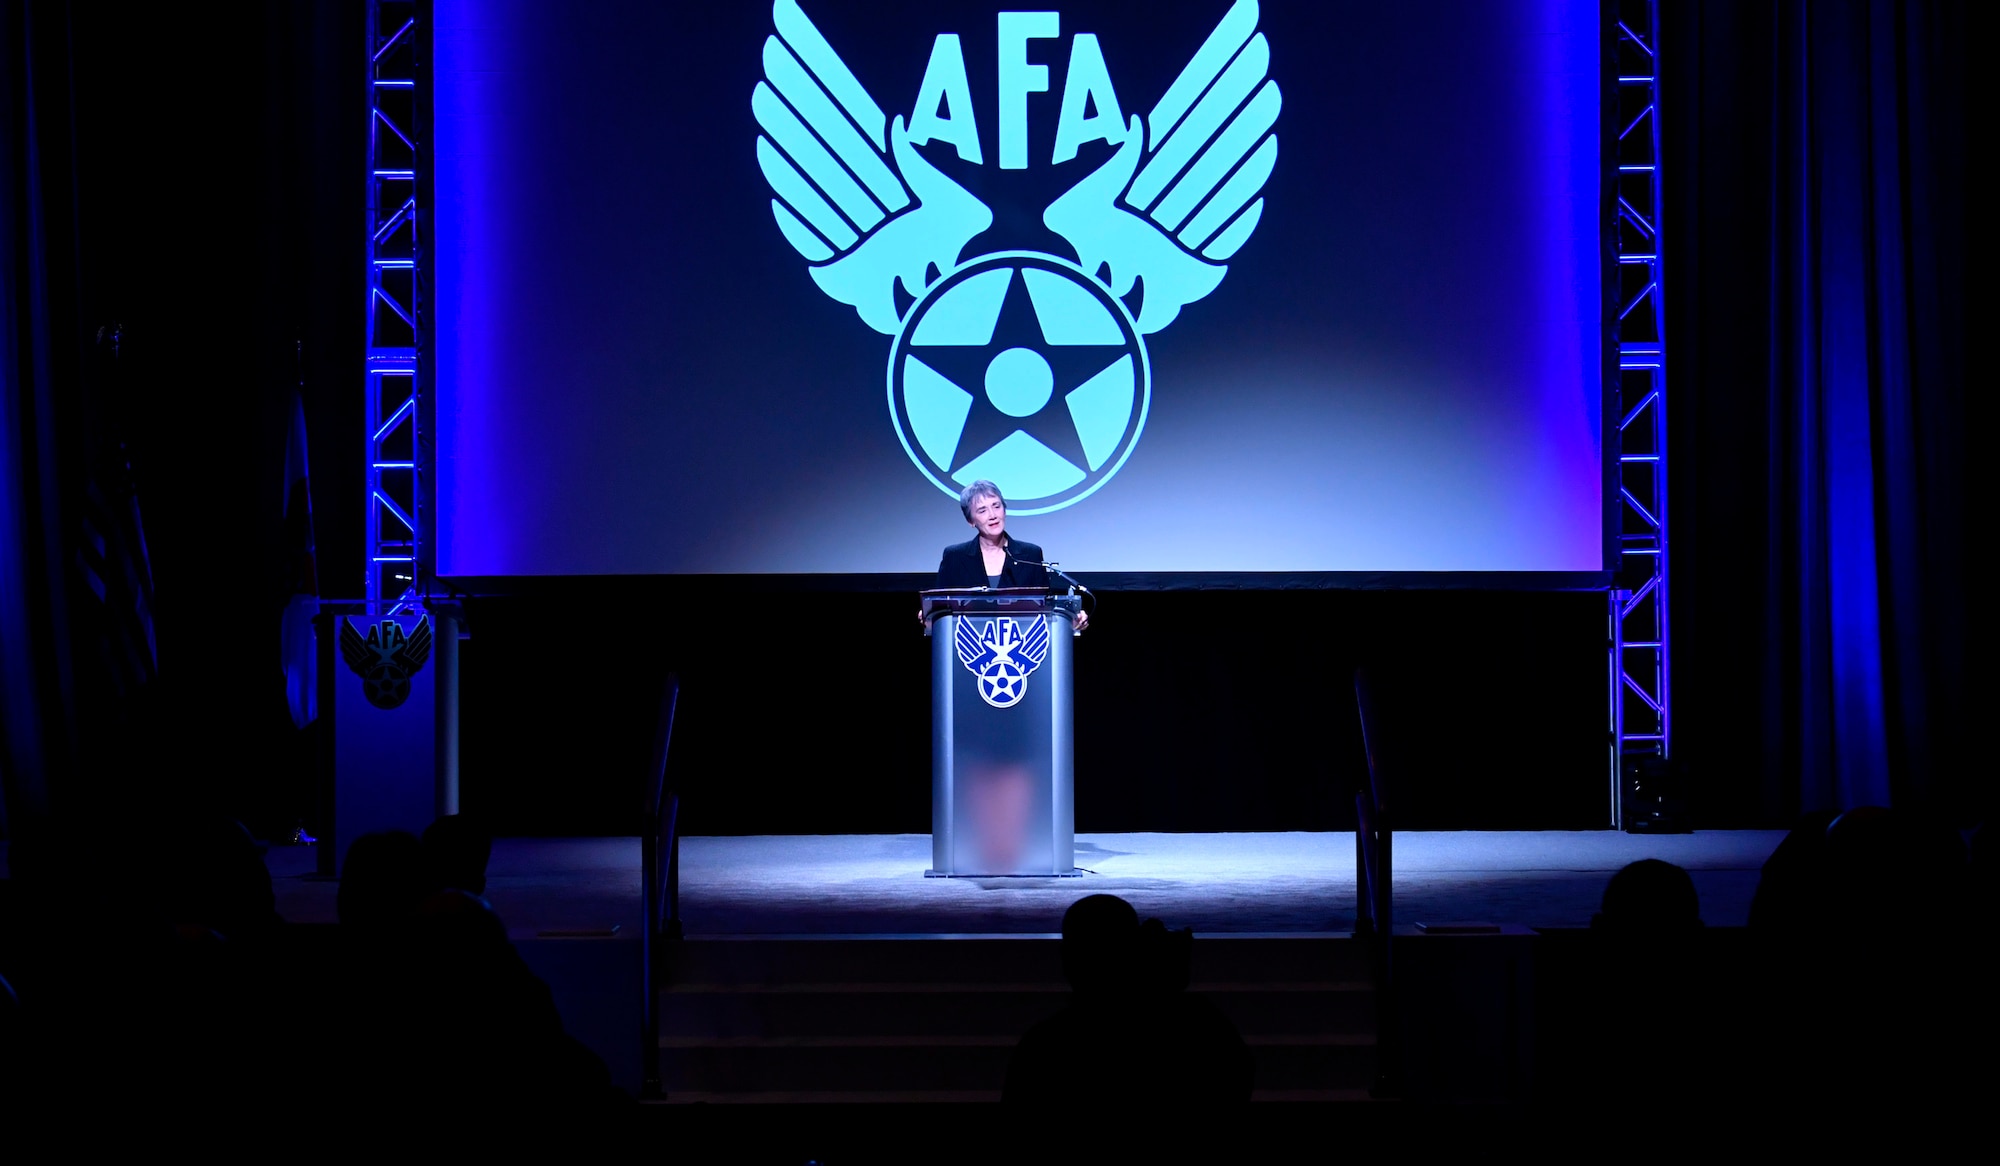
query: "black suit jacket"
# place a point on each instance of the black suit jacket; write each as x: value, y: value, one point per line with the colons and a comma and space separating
x: 963, y: 566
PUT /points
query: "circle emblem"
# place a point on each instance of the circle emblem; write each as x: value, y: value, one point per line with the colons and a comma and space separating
x: 1021, y: 369
x: 1002, y: 683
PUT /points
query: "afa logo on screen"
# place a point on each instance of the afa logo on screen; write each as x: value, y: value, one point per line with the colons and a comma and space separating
x: 1002, y: 656
x: 1022, y: 367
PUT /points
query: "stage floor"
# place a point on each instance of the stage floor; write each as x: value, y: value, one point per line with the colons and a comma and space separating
x: 874, y: 884
x: 1211, y: 882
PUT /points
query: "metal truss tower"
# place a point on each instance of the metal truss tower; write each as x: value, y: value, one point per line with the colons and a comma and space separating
x: 1641, y: 677
x: 392, y: 384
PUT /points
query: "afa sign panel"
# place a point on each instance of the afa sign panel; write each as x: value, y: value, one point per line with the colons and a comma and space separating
x: 1052, y: 404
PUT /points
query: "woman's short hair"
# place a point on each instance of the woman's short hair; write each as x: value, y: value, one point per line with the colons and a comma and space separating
x: 980, y: 489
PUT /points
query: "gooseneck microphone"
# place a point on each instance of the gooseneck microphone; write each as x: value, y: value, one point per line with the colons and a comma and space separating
x: 1052, y: 568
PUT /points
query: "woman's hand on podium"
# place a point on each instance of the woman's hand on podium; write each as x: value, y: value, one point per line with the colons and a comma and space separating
x: 1081, y: 621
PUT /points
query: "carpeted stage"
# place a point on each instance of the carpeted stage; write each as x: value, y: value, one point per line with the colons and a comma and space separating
x: 874, y: 884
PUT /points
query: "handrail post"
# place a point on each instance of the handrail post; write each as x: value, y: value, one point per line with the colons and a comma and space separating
x: 659, y: 891
x: 649, y: 1009
x: 1374, y: 883
x: 671, y: 929
x: 1365, y: 923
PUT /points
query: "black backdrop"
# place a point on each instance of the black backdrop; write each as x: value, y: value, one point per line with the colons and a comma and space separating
x: 1205, y: 710
x: 208, y: 185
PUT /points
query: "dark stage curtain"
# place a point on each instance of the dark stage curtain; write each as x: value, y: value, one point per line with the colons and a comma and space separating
x: 76, y: 631
x: 1814, y: 156
x: 160, y: 314
x: 40, y: 351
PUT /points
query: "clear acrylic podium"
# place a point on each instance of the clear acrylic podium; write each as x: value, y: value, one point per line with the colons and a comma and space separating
x: 1001, y: 796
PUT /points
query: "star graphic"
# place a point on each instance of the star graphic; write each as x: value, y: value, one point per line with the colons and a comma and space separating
x: 1007, y: 373
x: 1003, y: 683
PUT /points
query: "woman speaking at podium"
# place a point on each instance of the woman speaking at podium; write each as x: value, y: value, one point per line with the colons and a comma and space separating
x: 992, y: 557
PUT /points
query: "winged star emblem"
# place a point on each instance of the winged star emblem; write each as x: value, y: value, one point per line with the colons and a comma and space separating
x: 1023, y: 367
x: 1002, y: 656
x: 385, y: 658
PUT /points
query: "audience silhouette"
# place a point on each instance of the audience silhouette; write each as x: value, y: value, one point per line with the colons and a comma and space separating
x: 1859, y: 983
x: 1649, y: 898
x: 1789, y: 892
x: 1633, y: 1003
x: 438, y: 1006
x: 1873, y: 985
x: 457, y: 849
x: 185, y: 994
x: 1131, y: 1034
x: 83, y: 951
x: 384, y: 878
x: 208, y: 875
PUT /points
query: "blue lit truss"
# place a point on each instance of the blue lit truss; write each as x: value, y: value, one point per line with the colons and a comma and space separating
x: 1641, y: 689
x: 394, y: 525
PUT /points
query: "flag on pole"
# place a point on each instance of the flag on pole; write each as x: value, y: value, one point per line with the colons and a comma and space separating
x: 298, y: 641
x: 112, y: 553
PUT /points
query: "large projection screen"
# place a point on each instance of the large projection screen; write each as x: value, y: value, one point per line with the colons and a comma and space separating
x: 1214, y: 291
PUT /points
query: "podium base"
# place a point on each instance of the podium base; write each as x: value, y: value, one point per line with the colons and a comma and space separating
x: 1073, y: 873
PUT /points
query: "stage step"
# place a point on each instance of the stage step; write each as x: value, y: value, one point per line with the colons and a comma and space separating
x: 902, y: 1018
x: 722, y: 1012
x: 969, y: 1097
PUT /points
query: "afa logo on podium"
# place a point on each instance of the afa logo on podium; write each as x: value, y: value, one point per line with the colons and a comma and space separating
x: 1022, y: 367
x: 1002, y: 656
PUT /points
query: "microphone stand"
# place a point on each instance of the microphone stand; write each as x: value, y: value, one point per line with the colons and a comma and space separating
x: 1056, y: 570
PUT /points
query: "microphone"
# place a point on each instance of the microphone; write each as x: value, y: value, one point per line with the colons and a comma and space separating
x: 1052, y: 568
x: 1055, y: 568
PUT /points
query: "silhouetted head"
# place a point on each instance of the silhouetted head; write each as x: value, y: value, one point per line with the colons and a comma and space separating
x: 210, y: 874
x: 1895, y: 866
x: 49, y: 856
x: 1869, y: 864
x: 383, y: 880
x: 1790, y: 889
x: 1163, y: 960
x: 458, y: 919
x: 458, y: 849
x: 1099, y: 933
x: 1649, y: 897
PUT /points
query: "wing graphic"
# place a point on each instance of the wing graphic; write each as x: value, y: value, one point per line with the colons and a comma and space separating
x: 354, y: 648
x: 973, y: 652
x: 1188, y: 176
x: 1034, y: 645
x: 861, y: 224
x: 416, y: 649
